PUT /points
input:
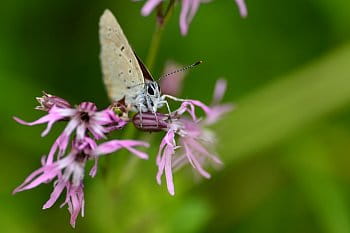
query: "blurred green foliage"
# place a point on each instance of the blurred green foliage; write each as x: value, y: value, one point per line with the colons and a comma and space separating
x: 286, y: 146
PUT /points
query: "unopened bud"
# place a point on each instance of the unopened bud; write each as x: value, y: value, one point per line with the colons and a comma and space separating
x: 47, y: 101
x: 151, y: 122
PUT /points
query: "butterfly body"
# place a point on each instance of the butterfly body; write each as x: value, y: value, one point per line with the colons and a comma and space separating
x: 151, y: 98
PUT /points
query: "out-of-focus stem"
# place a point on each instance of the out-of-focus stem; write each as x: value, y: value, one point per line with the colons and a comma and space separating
x: 158, y: 33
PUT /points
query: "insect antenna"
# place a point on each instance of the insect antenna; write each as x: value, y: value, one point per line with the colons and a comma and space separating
x: 181, y: 70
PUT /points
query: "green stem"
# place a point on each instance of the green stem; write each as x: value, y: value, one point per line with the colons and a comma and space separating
x: 158, y: 33
x: 154, y: 46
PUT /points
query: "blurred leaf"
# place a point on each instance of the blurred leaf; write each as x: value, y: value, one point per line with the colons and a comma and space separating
x: 190, y: 216
x: 309, y: 164
x: 337, y: 12
x: 271, y: 114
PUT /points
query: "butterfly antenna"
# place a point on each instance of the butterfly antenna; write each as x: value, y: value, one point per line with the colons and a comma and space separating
x: 181, y: 70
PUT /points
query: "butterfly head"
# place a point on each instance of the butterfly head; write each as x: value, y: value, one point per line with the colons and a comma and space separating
x: 152, y: 89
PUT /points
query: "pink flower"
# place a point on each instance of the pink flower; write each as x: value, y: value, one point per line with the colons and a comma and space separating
x: 68, y: 172
x: 217, y: 110
x: 188, y: 10
x: 195, y: 142
x: 82, y: 119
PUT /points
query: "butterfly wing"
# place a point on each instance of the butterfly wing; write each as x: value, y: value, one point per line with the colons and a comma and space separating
x: 121, y: 71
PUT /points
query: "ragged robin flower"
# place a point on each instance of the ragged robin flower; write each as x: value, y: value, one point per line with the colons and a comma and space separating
x: 195, y: 144
x: 82, y: 119
x: 67, y: 170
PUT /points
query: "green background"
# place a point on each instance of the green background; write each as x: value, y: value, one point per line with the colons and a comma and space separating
x: 285, y: 147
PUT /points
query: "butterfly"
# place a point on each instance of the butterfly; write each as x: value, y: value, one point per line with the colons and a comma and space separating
x: 125, y: 76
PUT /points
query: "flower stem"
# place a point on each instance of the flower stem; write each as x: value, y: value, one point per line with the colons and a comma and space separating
x: 162, y: 20
x: 154, y: 47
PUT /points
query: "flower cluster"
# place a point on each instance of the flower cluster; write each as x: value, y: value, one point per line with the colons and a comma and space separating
x: 85, y: 127
x: 188, y: 10
x: 187, y: 141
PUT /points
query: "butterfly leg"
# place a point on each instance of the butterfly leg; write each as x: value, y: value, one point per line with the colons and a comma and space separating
x: 164, y: 101
x: 168, y: 107
x: 140, y: 111
x: 174, y: 98
x: 156, y: 116
x: 154, y: 111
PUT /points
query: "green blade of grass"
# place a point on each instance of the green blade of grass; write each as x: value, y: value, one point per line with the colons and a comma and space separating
x: 273, y: 113
x: 309, y: 164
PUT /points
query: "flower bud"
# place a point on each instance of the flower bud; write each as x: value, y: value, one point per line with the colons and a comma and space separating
x: 47, y: 101
x: 151, y: 122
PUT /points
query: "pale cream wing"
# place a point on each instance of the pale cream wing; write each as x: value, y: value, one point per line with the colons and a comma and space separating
x: 119, y: 64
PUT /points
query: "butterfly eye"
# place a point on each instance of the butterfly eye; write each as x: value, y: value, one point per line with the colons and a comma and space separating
x: 150, y: 90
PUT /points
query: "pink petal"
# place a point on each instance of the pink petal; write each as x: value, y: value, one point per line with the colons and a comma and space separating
x: 138, y: 153
x: 77, y: 203
x: 179, y: 161
x: 166, y: 151
x: 114, y: 145
x: 93, y: 170
x: 49, y: 118
x: 189, y: 155
x: 189, y: 106
x: 98, y: 131
x: 41, y: 120
x: 80, y: 131
x: 219, y: 91
x: 188, y: 11
x: 149, y: 6
x: 161, y: 147
x: 169, y: 174
x: 216, y: 112
x: 196, y: 164
x: 184, y: 23
x: 63, y: 139
x: 41, y: 175
x: 52, y: 152
x: 161, y: 165
x: 194, y: 8
x: 242, y: 8
x: 55, y: 194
